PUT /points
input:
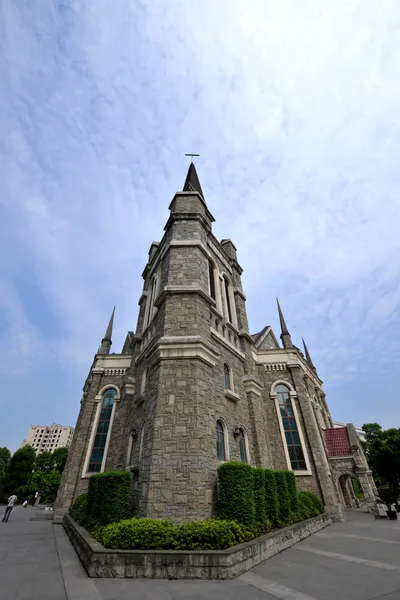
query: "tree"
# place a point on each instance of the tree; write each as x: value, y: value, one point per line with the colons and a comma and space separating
x: 60, y: 456
x: 46, y: 483
x: 5, y: 457
x: 382, y: 449
x: 20, y: 469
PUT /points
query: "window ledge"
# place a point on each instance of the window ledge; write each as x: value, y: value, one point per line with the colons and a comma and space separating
x: 231, y: 395
x: 302, y: 473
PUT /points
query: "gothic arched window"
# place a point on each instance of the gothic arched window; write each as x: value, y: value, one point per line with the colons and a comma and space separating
x: 220, y: 440
x: 242, y: 446
x: 227, y: 300
x: 211, y: 279
x: 227, y: 377
x: 291, y: 432
x: 100, y: 440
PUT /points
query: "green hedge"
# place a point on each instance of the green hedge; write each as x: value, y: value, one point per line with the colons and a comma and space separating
x: 309, y: 505
x: 271, y: 496
x: 283, y: 496
x: 157, y: 534
x: 235, y: 493
x: 259, y: 496
x: 78, y: 511
x: 292, y: 491
x: 108, y: 497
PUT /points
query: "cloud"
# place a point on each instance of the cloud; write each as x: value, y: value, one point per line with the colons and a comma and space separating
x: 294, y: 110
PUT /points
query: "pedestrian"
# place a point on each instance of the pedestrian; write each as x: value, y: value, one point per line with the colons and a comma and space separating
x: 11, y: 503
x: 25, y: 503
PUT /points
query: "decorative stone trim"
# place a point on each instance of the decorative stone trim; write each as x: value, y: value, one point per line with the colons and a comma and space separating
x: 238, y: 292
x: 129, y: 387
x: 275, y: 367
x: 178, y: 347
x: 252, y: 386
x: 245, y: 334
x: 115, y: 371
x: 233, y: 396
x: 181, y: 289
x: 190, y: 564
x: 216, y: 335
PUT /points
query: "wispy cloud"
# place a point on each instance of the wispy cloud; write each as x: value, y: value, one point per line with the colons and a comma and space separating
x: 294, y: 110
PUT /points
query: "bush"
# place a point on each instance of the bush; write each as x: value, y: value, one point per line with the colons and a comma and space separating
x: 259, y: 496
x: 309, y: 505
x: 139, y: 534
x: 108, y: 497
x: 78, y: 511
x: 236, y: 493
x: 271, y: 496
x: 211, y: 535
x: 283, y: 497
x: 292, y: 491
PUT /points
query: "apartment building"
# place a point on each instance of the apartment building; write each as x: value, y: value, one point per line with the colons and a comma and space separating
x: 45, y: 438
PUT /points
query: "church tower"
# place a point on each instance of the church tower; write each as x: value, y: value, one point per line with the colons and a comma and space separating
x: 192, y: 388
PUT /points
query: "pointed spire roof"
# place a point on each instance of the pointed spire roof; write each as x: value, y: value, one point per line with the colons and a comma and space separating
x: 192, y: 183
x: 284, y: 328
x: 285, y: 335
x: 108, y: 334
x: 307, y: 355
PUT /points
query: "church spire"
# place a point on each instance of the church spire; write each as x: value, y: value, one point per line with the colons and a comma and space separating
x: 192, y: 183
x: 107, y: 341
x: 285, y: 335
x: 308, y: 357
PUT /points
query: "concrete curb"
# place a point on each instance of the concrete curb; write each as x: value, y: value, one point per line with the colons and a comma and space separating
x: 176, y: 564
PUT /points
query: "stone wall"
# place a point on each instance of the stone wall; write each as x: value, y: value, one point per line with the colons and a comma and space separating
x: 172, y: 564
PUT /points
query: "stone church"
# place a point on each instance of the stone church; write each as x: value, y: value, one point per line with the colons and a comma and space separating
x: 192, y: 387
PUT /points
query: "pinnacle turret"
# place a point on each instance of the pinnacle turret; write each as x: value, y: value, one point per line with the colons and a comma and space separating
x: 285, y: 335
x: 107, y: 339
x: 192, y: 182
x: 308, y: 357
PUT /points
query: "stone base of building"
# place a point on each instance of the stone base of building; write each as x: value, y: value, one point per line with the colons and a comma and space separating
x: 176, y: 564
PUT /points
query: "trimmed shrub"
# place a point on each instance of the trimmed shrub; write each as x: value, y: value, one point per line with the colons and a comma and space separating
x: 283, y: 497
x: 78, y: 510
x: 292, y: 491
x: 309, y: 505
x: 259, y: 496
x: 211, y: 535
x: 139, y: 534
x: 271, y: 496
x: 108, y: 497
x: 236, y: 493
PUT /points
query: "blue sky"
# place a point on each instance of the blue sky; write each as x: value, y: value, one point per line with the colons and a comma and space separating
x: 294, y: 108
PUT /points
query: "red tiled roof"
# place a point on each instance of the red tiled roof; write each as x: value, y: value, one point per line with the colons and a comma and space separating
x: 337, y: 441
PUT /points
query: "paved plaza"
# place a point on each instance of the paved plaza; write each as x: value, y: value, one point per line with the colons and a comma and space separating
x: 355, y: 560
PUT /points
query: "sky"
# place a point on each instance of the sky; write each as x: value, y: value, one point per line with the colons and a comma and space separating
x: 294, y: 110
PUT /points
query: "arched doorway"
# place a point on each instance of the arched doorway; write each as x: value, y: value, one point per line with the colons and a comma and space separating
x: 346, y: 490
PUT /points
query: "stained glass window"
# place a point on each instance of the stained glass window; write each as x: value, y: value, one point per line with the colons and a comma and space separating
x: 211, y: 279
x: 220, y: 441
x: 242, y: 446
x: 99, y: 444
x: 227, y: 378
x: 292, y: 437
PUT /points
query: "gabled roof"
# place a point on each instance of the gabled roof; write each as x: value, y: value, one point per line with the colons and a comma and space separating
x: 266, y: 340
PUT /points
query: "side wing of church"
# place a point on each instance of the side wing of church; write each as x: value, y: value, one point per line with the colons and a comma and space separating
x: 192, y: 388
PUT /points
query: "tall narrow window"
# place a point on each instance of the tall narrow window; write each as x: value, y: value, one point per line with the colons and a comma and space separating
x: 242, y: 446
x: 290, y: 428
x: 97, y: 455
x: 228, y: 300
x: 227, y: 377
x: 220, y: 441
x: 211, y: 279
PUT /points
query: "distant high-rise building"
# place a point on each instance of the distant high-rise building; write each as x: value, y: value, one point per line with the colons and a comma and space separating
x: 45, y: 438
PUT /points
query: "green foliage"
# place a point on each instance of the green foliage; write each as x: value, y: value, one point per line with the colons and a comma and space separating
x: 236, y: 493
x: 5, y: 458
x: 47, y: 484
x: 271, y: 496
x: 60, y: 456
x: 259, y: 496
x: 382, y: 449
x: 309, y: 505
x: 157, y: 534
x: 78, y: 511
x: 356, y: 488
x: 292, y: 491
x: 389, y: 496
x: 139, y: 534
x: 283, y: 496
x: 108, y: 497
x: 20, y: 469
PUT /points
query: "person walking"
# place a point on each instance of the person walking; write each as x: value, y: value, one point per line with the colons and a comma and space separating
x: 11, y: 503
